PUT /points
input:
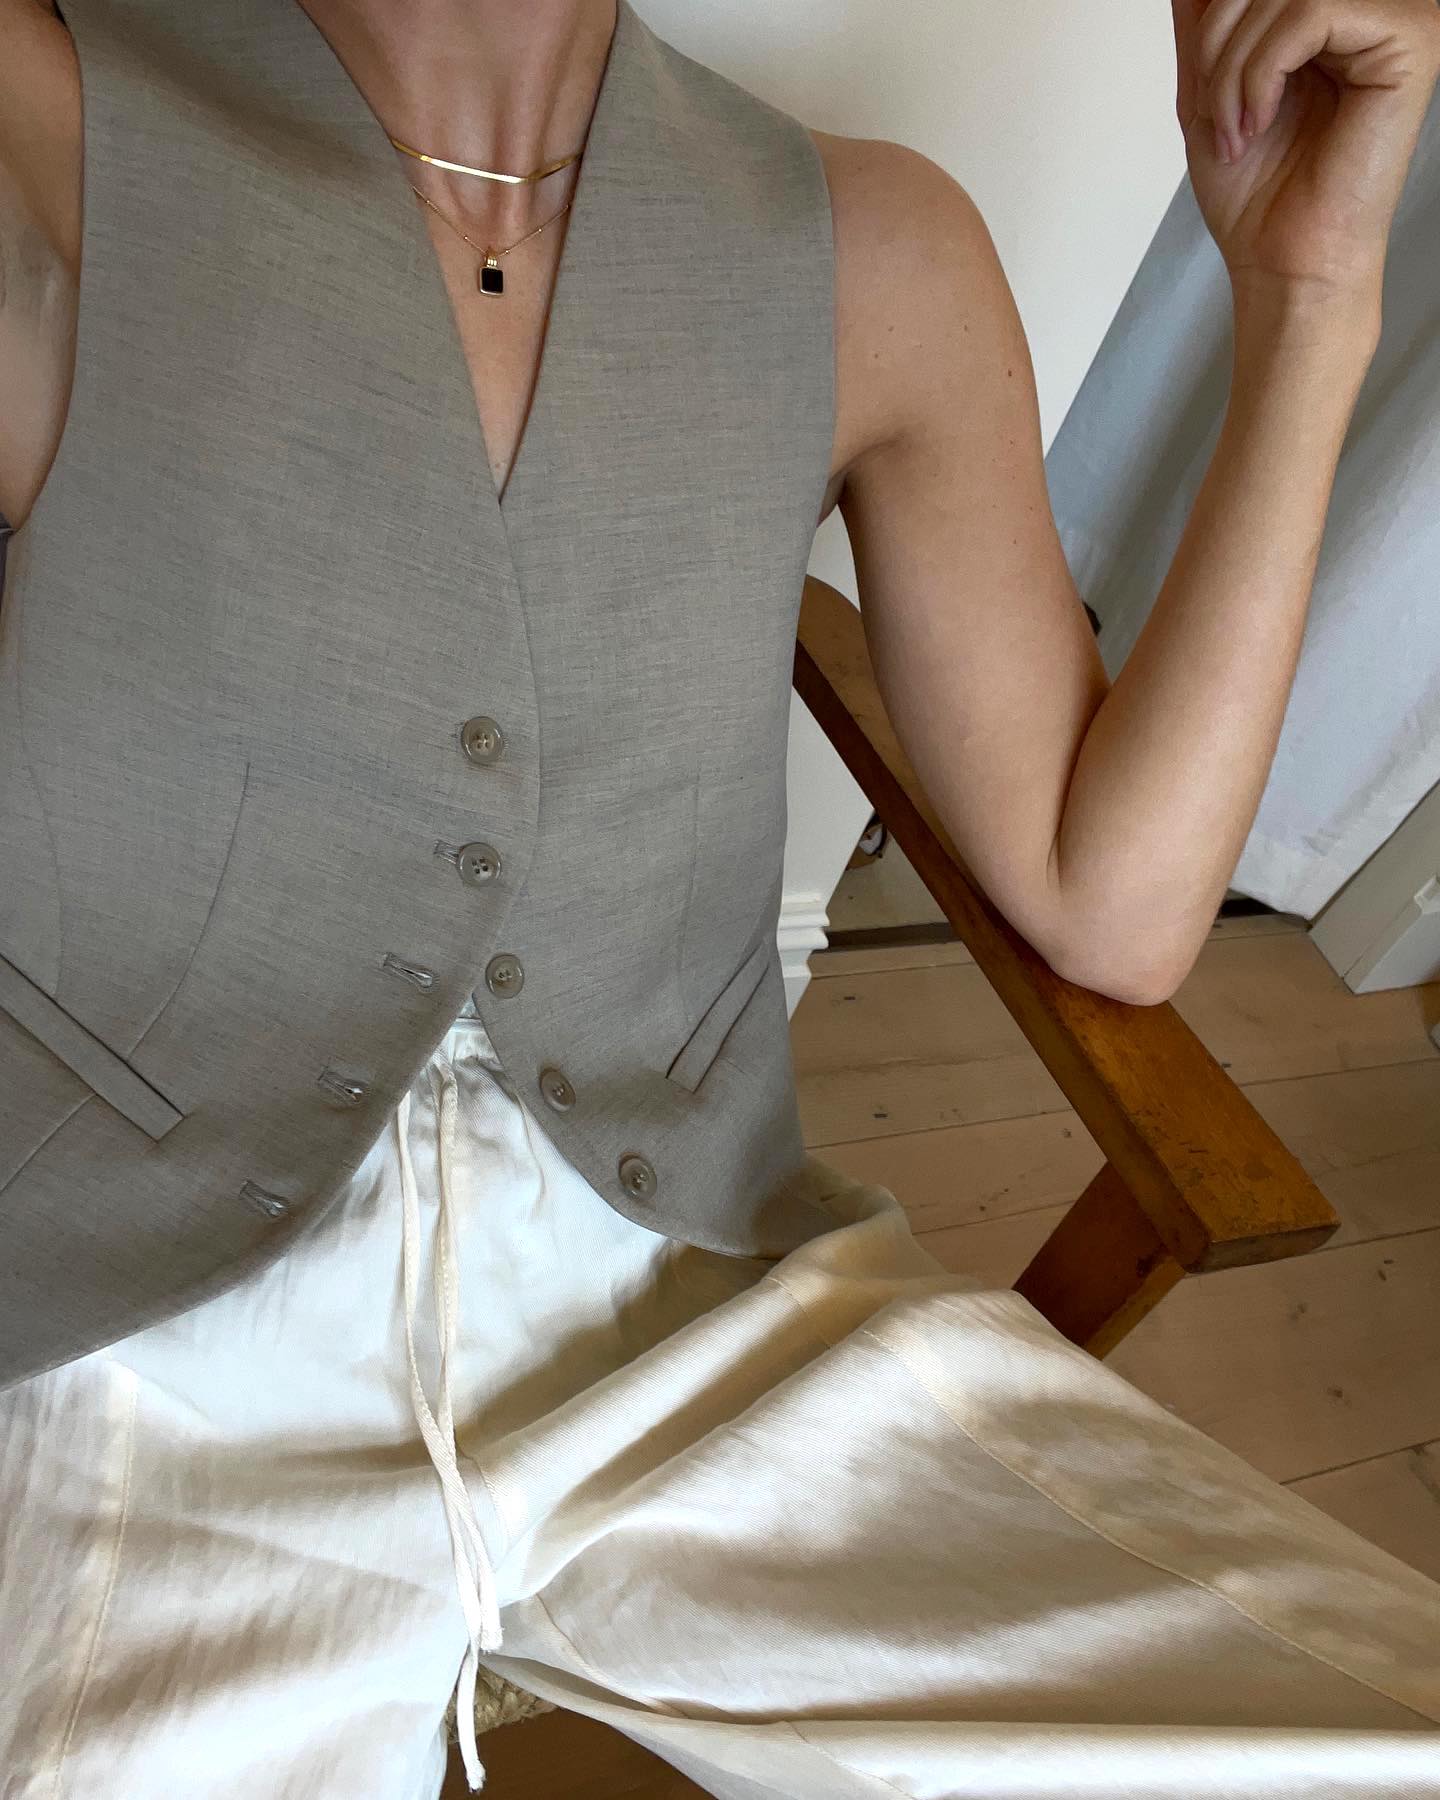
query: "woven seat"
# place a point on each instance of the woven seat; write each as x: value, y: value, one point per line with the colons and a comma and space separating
x: 498, y: 1702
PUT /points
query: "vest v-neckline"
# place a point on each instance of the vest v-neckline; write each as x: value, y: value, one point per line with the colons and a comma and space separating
x: 592, y: 184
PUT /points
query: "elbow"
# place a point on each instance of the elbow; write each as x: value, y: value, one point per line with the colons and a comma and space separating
x: 1135, y: 973
x: 1140, y: 992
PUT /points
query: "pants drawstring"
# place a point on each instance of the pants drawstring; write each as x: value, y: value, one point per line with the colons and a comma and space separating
x: 476, y: 1583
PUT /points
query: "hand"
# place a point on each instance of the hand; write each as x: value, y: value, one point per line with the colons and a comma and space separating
x: 1300, y: 119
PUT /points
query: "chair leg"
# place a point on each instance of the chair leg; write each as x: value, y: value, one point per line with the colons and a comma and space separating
x: 1101, y: 1269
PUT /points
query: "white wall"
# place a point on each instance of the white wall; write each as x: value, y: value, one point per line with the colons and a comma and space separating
x: 1059, y: 120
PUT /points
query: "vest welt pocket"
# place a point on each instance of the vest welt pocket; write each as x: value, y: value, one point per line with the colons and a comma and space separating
x: 96, y: 1064
x: 701, y: 1048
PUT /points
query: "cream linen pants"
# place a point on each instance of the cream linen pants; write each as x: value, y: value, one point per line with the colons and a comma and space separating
x: 840, y: 1526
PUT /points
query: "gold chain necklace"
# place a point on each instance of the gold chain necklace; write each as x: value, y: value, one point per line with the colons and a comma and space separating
x: 439, y: 162
x: 489, y: 277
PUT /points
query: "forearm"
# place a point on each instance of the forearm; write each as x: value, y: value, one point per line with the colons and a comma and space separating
x: 1174, y: 761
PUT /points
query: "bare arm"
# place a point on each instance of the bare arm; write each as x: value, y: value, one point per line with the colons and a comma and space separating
x: 1104, y: 821
x: 39, y: 243
x: 1171, y: 770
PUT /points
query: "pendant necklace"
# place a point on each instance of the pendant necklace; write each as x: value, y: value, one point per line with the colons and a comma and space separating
x: 489, y: 277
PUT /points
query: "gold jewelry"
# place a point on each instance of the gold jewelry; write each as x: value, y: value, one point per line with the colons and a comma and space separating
x: 489, y: 277
x: 439, y: 162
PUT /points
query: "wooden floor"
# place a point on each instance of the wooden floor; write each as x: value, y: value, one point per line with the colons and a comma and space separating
x: 1321, y: 1371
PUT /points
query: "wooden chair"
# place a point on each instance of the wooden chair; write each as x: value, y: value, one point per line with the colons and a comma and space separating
x: 1195, y: 1179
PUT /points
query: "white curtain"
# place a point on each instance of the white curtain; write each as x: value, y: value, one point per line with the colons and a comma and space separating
x: 1361, y: 741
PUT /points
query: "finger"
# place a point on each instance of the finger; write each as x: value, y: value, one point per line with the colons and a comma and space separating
x: 1263, y: 84
x: 1295, y: 37
x: 1230, y: 91
x: 1186, y: 16
x: 1217, y: 26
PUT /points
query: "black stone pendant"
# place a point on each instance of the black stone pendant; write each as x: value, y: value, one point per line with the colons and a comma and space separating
x: 492, y: 277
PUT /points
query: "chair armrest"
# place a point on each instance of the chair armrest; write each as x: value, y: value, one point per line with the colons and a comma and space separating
x: 1216, y: 1184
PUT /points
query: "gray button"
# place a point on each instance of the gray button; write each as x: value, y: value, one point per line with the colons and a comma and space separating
x: 503, y: 975
x: 274, y: 1206
x: 478, y: 864
x: 637, y: 1177
x: 482, y: 740
x: 557, y: 1090
x: 416, y: 973
x: 343, y: 1088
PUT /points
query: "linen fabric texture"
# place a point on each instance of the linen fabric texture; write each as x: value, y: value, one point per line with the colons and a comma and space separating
x: 268, y: 580
x: 754, y: 1478
x: 834, y: 1527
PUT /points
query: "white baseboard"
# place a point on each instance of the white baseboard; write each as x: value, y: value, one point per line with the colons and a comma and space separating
x: 800, y: 932
x: 1382, y: 930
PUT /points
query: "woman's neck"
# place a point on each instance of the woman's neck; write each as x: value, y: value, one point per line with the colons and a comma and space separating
x: 499, y: 84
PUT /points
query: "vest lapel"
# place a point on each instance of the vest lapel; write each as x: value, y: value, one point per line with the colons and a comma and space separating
x: 410, y: 331
x: 617, y: 223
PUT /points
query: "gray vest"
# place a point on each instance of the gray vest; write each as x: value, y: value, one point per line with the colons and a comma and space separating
x: 305, y: 737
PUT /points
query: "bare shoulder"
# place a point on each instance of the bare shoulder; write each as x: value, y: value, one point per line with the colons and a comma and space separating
x: 886, y: 192
x: 39, y: 88
x: 41, y: 157
x: 922, y: 305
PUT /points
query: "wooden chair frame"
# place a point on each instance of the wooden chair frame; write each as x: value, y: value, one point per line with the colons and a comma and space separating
x: 1194, y: 1179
